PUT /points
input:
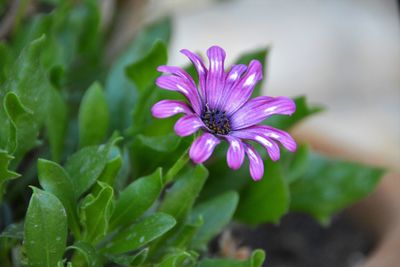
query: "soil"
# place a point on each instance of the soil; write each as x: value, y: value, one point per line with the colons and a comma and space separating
x: 299, y: 241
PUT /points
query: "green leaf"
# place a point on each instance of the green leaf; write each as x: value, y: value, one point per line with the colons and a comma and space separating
x: 141, y: 233
x: 144, y: 71
x: 256, y: 260
x: 5, y: 173
x: 121, y: 93
x: 331, y: 185
x: 180, y: 198
x: 93, y: 116
x: 295, y: 164
x: 96, y: 212
x: 56, y: 123
x: 164, y: 143
x: 266, y: 200
x: 136, y: 259
x: 54, y: 179
x: 89, y: 252
x: 86, y: 166
x: 136, y: 199
x: 260, y: 55
x: 45, y: 234
x: 303, y: 110
x: 217, y: 213
x: 177, y: 259
x: 112, y: 167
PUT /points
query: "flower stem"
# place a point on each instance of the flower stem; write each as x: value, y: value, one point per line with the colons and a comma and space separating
x: 177, y: 167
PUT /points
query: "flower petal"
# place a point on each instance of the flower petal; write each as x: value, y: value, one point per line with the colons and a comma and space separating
x: 235, y: 154
x: 179, y: 84
x: 203, y: 147
x: 168, y: 108
x: 215, y: 81
x: 178, y: 72
x: 231, y: 79
x: 270, y: 132
x: 241, y: 92
x: 271, y: 147
x: 258, y: 109
x: 201, y: 70
x: 256, y: 163
x: 188, y: 125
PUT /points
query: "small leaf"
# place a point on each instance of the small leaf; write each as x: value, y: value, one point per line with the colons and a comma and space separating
x: 331, y: 185
x: 112, y: 167
x: 45, y: 230
x: 54, y: 179
x: 89, y: 252
x: 96, y: 212
x: 180, y: 198
x: 93, y: 116
x: 136, y: 198
x: 14, y: 231
x: 141, y: 233
x: 136, y: 259
x: 295, y: 164
x: 177, y: 259
x: 266, y: 200
x: 217, y: 213
x: 144, y: 71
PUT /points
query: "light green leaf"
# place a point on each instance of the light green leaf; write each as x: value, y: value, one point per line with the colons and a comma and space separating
x: 86, y: 166
x: 121, y: 93
x: 217, y: 213
x: 256, y: 260
x: 93, y: 116
x: 266, y: 200
x: 177, y: 259
x: 180, y: 198
x: 136, y: 198
x: 96, y: 212
x: 45, y: 230
x: 54, y: 179
x: 331, y: 185
x: 89, y: 253
x: 144, y: 71
x: 141, y: 233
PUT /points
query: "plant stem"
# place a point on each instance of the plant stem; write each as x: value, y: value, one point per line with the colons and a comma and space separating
x: 177, y: 167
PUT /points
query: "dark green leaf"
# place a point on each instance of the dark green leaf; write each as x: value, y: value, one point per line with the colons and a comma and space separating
x: 14, y: 231
x: 93, y: 116
x: 266, y: 200
x: 96, y: 212
x: 331, y: 185
x: 180, y: 198
x: 141, y: 233
x: 164, y: 143
x: 56, y: 122
x: 295, y: 164
x: 112, y: 167
x: 136, y: 259
x: 5, y: 173
x: 121, y: 93
x: 177, y: 259
x: 45, y: 234
x: 217, y: 213
x: 135, y: 199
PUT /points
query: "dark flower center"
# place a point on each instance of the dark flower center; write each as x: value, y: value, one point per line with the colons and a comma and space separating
x: 216, y: 121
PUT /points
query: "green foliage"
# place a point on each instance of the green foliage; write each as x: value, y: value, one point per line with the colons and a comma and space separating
x: 45, y: 230
x: 140, y: 201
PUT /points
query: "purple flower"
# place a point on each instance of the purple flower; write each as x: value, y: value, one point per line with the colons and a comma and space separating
x: 221, y: 107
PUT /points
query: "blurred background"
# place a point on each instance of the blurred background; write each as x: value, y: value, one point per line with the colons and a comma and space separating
x: 342, y: 54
